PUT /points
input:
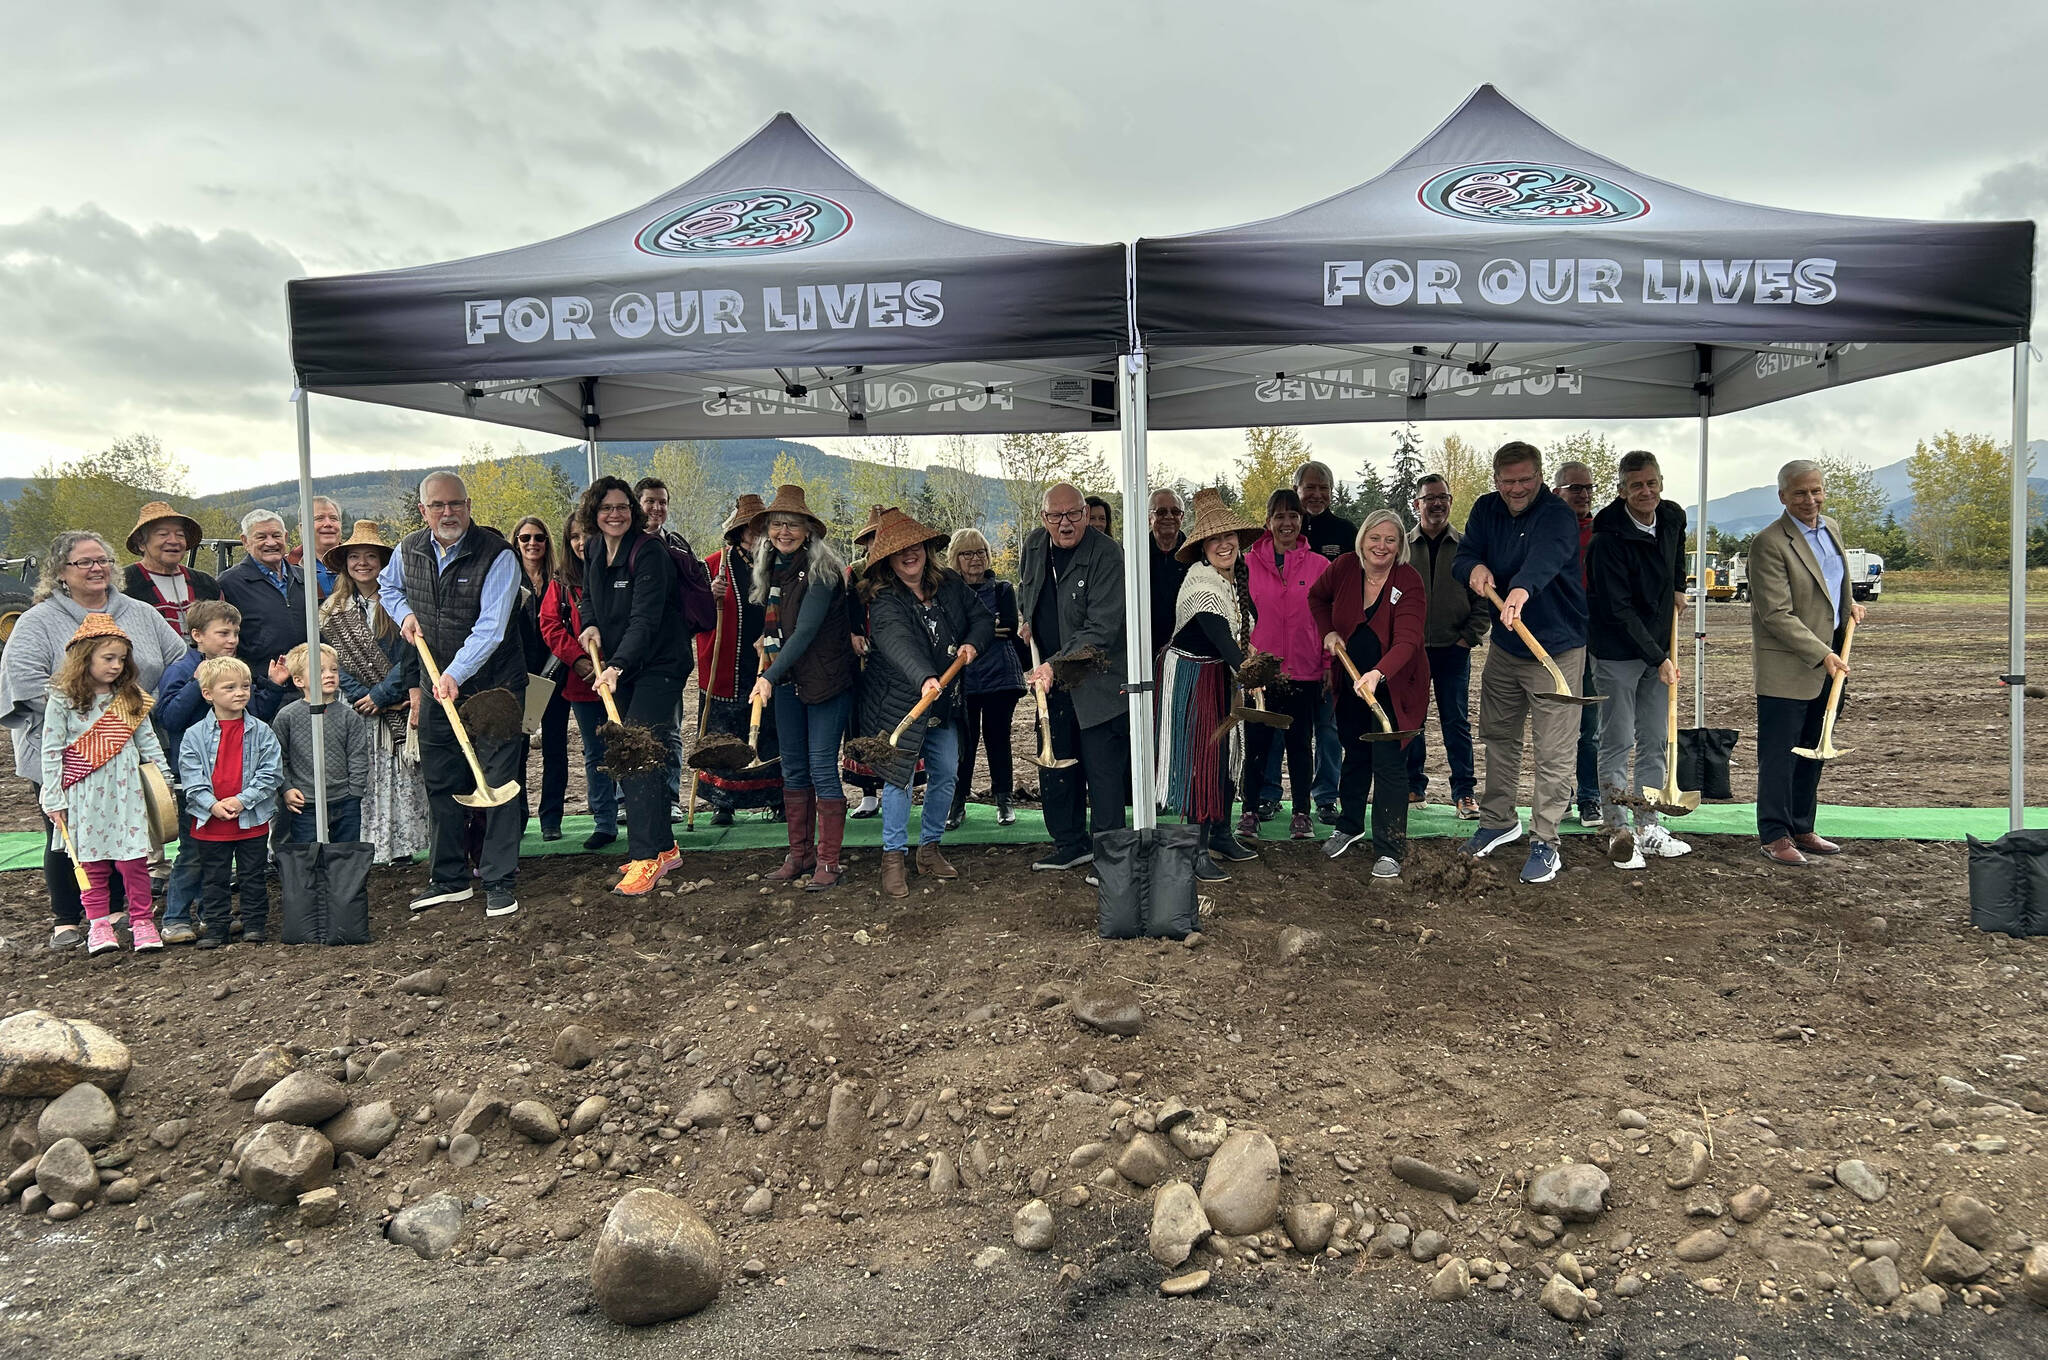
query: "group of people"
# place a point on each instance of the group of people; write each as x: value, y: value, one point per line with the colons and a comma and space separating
x: 1341, y: 634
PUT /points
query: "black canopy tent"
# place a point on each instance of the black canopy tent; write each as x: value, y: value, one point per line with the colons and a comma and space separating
x: 777, y: 294
x: 1499, y: 271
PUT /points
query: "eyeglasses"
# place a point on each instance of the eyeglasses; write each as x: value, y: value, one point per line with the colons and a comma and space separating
x: 1065, y: 516
x: 1434, y: 500
x: 443, y: 507
x: 533, y: 538
x: 614, y: 508
x: 1575, y: 486
x: 1168, y: 512
x: 89, y: 563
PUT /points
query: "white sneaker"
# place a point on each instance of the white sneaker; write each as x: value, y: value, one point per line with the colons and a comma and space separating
x: 1655, y: 840
x: 1622, y: 850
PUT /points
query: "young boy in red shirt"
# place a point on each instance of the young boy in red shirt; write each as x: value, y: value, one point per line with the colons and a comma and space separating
x: 231, y: 769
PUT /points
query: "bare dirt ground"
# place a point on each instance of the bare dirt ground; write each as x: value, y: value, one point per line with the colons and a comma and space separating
x: 1784, y: 1022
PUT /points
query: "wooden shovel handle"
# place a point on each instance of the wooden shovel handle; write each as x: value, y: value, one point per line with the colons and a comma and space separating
x: 918, y: 709
x: 1044, y: 718
x: 1835, y: 685
x: 1521, y: 630
x: 611, y: 710
x: 754, y: 722
x: 454, y: 718
x: 1344, y: 655
x: 71, y: 849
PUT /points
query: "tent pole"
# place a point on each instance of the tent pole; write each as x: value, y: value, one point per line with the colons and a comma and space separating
x: 1131, y: 393
x: 2016, y: 689
x: 1699, y: 604
x: 589, y: 431
x: 303, y: 399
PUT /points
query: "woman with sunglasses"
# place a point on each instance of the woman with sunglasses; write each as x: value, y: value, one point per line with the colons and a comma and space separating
x: 629, y: 622
x: 992, y: 684
x: 537, y: 572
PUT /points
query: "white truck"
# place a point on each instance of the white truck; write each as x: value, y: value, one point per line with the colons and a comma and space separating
x: 1866, y: 573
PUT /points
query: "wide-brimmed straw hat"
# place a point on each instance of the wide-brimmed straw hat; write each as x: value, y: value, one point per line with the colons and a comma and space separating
x: 155, y: 513
x: 789, y: 500
x: 1208, y: 518
x: 744, y: 512
x: 894, y: 531
x: 867, y: 531
x: 96, y: 626
x: 365, y: 536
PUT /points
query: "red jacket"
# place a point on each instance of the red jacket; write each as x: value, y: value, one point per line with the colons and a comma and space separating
x: 1338, y: 602
x: 561, y: 639
x: 718, y: 675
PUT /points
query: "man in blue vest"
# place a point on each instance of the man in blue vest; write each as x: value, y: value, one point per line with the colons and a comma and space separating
x: 455, y: 584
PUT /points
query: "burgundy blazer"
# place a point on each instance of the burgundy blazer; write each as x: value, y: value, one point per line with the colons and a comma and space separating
x: 1337, y: 600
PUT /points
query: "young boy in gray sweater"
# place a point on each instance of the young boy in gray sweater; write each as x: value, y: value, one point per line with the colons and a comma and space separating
x: 348, y: 754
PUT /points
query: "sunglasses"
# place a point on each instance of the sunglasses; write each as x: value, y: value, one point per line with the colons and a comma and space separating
x: 533, y: 538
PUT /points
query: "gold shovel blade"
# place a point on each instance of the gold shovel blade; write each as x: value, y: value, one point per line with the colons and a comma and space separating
x: 488, y: 797
x: 1672, y: 801
x: 1827, y: 752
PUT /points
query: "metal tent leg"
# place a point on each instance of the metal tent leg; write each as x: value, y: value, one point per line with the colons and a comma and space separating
x: 303, y: 399
x: 1699, y: 605
x: 1131, y: 400
x: 2016, y: 696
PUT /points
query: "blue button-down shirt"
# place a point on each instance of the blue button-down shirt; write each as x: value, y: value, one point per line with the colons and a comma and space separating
x: 282, y: 580
x: 1833, y: 567
x: 494, y: 609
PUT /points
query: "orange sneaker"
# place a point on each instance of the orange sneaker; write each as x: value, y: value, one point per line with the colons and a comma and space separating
x: 668, y: 859
x: 641, y: 876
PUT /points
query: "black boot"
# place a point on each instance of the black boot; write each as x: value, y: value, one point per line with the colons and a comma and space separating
x: 957, y: 816
x: 1226, y: 846
x: 1004, y: 817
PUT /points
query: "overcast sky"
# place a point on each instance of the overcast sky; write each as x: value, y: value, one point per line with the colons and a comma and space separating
x: 167, y: 168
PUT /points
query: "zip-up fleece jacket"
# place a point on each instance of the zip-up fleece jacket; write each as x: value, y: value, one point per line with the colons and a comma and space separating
x: 1631, y: 581
x: 1536, y: 551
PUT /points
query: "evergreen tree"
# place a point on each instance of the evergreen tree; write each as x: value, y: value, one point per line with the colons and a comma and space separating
x: 1408, y: 470
x: 1371, y: 495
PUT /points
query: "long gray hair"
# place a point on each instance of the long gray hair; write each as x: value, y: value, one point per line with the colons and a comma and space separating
x: 825, y: 565
x: 61, y: 548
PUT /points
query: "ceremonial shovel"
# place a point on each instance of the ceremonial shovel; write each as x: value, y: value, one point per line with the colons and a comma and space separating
x: 1564, y: 693
x: 1255, y: 712
x: 1045, y: 760
x: 862, y: 748
x: 485, y: 796
x: 1671, y: 801
x: 730, y: 754
x: 1826, y: 750
x: 1388, y: 723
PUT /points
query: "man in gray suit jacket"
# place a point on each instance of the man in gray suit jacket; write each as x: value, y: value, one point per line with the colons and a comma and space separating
x: 1799, y: 604
x: 1071, y: 596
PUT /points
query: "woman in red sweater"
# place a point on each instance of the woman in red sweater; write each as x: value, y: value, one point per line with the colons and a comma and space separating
x: 1370, y: 604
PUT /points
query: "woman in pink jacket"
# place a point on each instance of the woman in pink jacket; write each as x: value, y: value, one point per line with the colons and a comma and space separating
x: 1283, y: 567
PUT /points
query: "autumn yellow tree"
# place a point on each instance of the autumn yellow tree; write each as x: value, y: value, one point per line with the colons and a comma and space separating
x: 505, y: 489
x: 1271, y: 454
x: 1466, y: 467
x: 1962, y: 488
x: 101, y: 492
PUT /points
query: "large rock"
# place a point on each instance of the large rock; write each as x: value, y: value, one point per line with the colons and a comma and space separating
x: 1425, y: 1176
x: 365, y: 1130
x: 1241, y: 1191
x: 1197, y: 1136
x: 303, y: 1098
x: 587, y: 1115
x: 267, y: 1067
x: 84, y: 1112
x: 1563, y: 1300
x: 1876, y: 1279
x: 1178, y: 1223
x: 1309, y: 1226
x: 1144, y: 1160
x: 655, y: 1260
x: 478, y: 1114
x: 430, y: 1227
x: 577, y: 1046
x: 41, y: 1055
x: 1109, y: 1008
x: 1032, y: 1227
x: 1451, y: 1283
x: 1704, y: 1245
x: 282, y: 1161
x: 534, y: 1122
x: 1576, y: 1193
x: 2034, y: 1276
x: 709, y: 1108
x: 66, y: 1173
x: 1950, y: 1260
x: 1747, y: 1206
x: 1972, y: 1220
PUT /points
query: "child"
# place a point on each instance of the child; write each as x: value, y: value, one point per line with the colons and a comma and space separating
x: 96, y: 734
x: 348, y: 754
x: 216, y: 629
x: 231, y: 771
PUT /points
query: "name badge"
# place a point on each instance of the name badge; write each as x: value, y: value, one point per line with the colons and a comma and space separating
x: 1394, y: 595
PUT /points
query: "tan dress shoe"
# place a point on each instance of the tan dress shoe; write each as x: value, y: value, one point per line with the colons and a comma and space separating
x: 1815, y: 845
x: 1782, y: 851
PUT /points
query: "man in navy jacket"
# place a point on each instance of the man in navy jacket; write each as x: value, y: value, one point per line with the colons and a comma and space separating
x: 1522, y: 543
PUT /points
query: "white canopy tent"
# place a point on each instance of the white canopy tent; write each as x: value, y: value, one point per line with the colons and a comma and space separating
x: 1499, y: 271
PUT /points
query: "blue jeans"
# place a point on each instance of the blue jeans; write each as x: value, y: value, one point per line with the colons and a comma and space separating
x: 1450, y: 674
x: 181, y: 891
x: 941, y: 770
x: 602, y: 793
x: 809, y: 737
x: 1329, y: 759
x: 1589, y: 743
x: 344, y: 822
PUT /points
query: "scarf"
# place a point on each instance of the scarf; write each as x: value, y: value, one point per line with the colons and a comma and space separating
x: 100, y: 743
x: 1206, y: 590
x: 780, y: 570
x: 347, y: 630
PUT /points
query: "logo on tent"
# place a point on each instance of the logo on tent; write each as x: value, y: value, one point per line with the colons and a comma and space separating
x: 1528, y: 191
x: 746, y: 222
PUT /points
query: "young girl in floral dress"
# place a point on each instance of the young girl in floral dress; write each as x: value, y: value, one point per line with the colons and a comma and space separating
x: 96, y: 735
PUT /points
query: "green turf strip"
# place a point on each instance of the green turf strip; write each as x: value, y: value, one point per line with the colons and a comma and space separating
x: 24, y: 849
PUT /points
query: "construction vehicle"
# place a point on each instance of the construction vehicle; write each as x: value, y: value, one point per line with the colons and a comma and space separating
x: 1866, y: 573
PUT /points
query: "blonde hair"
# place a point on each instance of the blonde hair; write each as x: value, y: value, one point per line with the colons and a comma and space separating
x: 295, y: 662
x: 217, y: 668
x: 969, y: 539
x: 1373, y: 521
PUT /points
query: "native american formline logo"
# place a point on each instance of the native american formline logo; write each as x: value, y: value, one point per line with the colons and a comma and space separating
x: 747, y: 222
x: 1530, y: 192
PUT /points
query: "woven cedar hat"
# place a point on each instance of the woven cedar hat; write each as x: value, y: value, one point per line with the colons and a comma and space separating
x: 365, y: 536
x: 867, y: 531
x: 1209, y: 517
x: 744, y: 512
x: 97, y: 626
x: 789, y: 500
x: 155, y: 513
x: 893, y: 532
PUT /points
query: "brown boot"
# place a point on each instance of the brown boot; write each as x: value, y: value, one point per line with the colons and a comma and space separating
x: 831, y: 835
x: 931, y: 861
x: 892, y: 874
x: 797, y: 805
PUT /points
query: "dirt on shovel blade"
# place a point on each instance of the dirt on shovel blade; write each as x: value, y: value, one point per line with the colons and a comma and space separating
x: 872, y: 751
x: 1259, y: 670
x: 493, y: 715
x: 722, y: 753
x: 1074, y: 668
x: 630, y: 751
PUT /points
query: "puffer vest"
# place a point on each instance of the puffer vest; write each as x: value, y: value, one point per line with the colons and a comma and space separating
x: 828, y: 667
x: 447, y: 602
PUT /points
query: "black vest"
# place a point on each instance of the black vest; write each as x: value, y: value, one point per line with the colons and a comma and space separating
x: 447, y: 602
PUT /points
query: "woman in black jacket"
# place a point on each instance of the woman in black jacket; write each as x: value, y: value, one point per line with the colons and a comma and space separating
x: 992, y: 684
x: 630, y: 624
x: 921, y: 618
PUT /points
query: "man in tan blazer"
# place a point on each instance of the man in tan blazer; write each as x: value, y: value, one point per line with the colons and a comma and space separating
x: 1799, y: 602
